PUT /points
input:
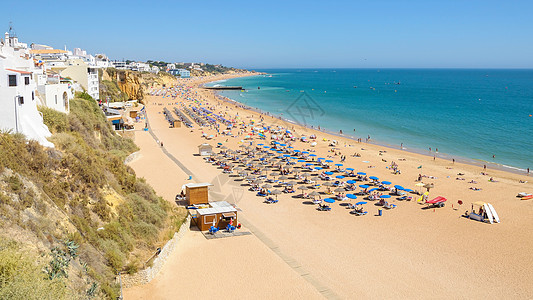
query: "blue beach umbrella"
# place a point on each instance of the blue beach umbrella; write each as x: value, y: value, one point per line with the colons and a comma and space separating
x: 351, y: 181
x: 301, y: 160
x: 408, y: 190
x: 361, y: 173
x: 266, y: 147
x: 386, y: 182
x: 363, y: 186
x: 339, y: 176
x: 361, y: 203
x: 318, y: 168
x: 309, y: 164
x: 296, y: 150
x: 305, y: 152
x: 329, y: 200
x: 286, y: 155
x: 277, y: 143
x: 260, y: 144
x: 351, y: 196
x: 373, y: 178
x: 339, y: 165
x: 283, y: 145
x: 398, y: 187
x: 373, y: 189
x: 384, y: 196
x: 279, y: 151
x: 328, y: 173
x: 349, y: 169
x: 329, y: 160
x: 312, y: 154
x: 320, y: 158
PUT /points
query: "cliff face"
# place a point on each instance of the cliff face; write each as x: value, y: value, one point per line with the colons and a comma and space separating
x: 130, y: 83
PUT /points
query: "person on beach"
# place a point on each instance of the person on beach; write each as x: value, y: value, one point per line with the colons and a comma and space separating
x: 453, y: 160
x: 484, y: 167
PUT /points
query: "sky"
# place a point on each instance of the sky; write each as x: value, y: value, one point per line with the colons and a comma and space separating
x: 287, y: 34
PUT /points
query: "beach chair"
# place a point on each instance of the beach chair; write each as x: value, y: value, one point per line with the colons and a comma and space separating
x: 389, y: 205
x: 359, y: 213
x: 230, y: 228
x: 213, y: 230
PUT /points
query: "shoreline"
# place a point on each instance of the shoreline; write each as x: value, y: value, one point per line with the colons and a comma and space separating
x: 429, y: 240
x: 440, y: 155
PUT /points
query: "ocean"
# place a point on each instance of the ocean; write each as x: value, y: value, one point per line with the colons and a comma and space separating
x: 477, y: 116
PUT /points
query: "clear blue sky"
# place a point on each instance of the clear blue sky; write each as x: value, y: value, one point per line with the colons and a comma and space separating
x: 262, y: 34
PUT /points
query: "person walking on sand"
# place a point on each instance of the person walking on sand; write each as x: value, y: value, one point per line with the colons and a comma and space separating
x: 484, y: 167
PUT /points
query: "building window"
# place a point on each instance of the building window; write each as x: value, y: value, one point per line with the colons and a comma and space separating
x: 32, y: 96
x: 21, y: 100
x: 26, y: 80
x: 12, y: 80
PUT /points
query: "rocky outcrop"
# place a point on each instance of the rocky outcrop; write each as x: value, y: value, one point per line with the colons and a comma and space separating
x: 130, y: 83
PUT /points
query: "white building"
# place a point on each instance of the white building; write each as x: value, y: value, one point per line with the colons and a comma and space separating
x: 102, y: 61
x: 17, y: 92
x: 120, y: 65
x: 180, y: 72
x: 79, y: 71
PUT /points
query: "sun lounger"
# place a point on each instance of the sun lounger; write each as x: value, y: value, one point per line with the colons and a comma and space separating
x: 213, y: 230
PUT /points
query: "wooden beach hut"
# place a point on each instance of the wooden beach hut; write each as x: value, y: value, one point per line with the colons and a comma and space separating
x: 205, y: 150
x: 218, y: 213
x: 197, y: 193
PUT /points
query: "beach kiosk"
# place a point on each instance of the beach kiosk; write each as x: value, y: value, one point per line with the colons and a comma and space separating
x: 218, y: 213
x: 197, y: 193
x: 205, y: 150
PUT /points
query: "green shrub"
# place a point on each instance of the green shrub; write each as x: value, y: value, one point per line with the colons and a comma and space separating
x: 56, y: 121
x: 22, y: 278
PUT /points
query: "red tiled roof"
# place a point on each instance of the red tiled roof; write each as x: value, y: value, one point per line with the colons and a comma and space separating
x: 19, y: 71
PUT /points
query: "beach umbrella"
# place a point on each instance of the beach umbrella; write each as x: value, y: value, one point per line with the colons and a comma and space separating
x: 361, y: 173
x: 318, y: 168
x: 320, y: 158
x: 257, y: 181
x: 286, y: 155
x: 296, y: 150
x: 429, y: 185
x: 329, y: 200
x: 303, y: 187
x: 291, y: 183
x: 361, y: 203
x: 327, y: 183
x: 276, y: 193
x: 301, y: 160
x: 339, y: 190
x: 351, y: 181
x: 220, y: 144
x: 328, y: 173
x: 260, y: 144
x: 314, y: 194
x: 384, y: 196
x: 386, y: 182
x: 373, y: 178
x: 350, y: 169
x: 408, y: 190
x: 419, y: 184
x: 311, y: 154
x: 398, y: 187
x: 283, y: 177
x: 329, y: 160
x: 339, y: 165
x: 372, y: 189
x: 351, y: 196
x: 250, y: 177
x: 306, y: 175
x: 364, y: 186
x: 339, y: 176
x: 266, y: 186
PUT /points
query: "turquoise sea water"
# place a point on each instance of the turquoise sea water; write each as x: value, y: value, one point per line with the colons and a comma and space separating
x: 468, y: 114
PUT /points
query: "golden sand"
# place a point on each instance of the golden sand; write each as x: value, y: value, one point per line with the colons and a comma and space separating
x: 409, y: 252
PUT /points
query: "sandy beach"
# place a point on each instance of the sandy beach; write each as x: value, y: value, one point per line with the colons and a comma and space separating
x: 296, y: 251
